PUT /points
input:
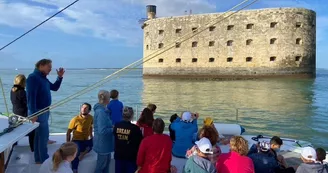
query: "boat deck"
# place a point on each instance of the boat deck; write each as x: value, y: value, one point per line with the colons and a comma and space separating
x: 22, y: 160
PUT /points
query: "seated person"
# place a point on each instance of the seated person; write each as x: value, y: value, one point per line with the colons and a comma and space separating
x: 199, y: 162
x: 154, y: 155
x: 210, y: 133
x: 321, y: 155
x: 209, y: 122
x: 236, y: 160
x: 263, y: 161
x: 172, y: 133
x: 184, y: 129
x: 60, y: 161
x: 309, y: 165
x: 81, y: 126
x: 275, y: 144
x: 145, y: 122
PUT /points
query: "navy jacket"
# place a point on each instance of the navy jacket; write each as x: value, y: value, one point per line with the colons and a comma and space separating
x: 38, y: 93
x: 19, y: 101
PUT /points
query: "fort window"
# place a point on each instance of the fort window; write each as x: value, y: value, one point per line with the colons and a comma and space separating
x: 161, y: 60
x: 298, y: 24
x: 273, y: 58
x: 249, y: 26
x: 299, y: 13
x: 229, y: 59
x: 211, y: 43
x: 273, y: 24
x: 211, y: 60
x: 194, y: 29
x: 160, y: 32
x: 147, y: 47
x: 249, y: 42
x: 177, y: 45
x: 194, y: 60
x: 147, y: 33
x: 160, y: 45
x: 298, y: 41
x: 178, y: 60
x: 212, y: 28
x: 298, y: 58
x: 249, y: 59
x: 178, y: 31
x: 229, y: 43
x: 194, y: 44
x: 230, y: 27
x: 273, y: 40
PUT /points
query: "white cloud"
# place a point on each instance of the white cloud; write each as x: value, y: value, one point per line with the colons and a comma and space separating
x: 106, y: 19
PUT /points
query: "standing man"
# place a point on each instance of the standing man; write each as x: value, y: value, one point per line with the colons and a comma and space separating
x: 39, y: 97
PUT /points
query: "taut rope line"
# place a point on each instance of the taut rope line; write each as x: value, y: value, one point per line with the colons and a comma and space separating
x: 38, y: 25
x: 4, y: 96
x: 138, y: 62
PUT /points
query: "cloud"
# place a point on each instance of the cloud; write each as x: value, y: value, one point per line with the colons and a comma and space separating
x: 114, y: 20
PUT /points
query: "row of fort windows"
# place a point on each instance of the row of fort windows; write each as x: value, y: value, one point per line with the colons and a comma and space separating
x: 229, y: 27
x: 229, y: 59
x: 229, y: 43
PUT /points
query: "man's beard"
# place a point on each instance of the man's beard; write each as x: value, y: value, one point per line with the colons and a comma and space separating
x: 84, y: 114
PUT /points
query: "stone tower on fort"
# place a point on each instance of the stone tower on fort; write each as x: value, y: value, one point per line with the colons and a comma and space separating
x: 249, y: 44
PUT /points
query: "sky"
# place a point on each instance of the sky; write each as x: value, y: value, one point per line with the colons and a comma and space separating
x: 106, y: 33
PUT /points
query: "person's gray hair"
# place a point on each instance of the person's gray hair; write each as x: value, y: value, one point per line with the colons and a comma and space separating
x: 103, y: 95
x: 128, y: 113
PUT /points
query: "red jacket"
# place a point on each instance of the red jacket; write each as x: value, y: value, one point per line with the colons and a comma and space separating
x: 233, y: 162
x: 145, y: 129
x: 155, y: 154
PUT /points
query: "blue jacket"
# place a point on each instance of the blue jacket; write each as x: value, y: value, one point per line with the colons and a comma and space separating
x: 38, y: 93
x: 103, y: 130
x: 115, y: 108
x: 184, y: 132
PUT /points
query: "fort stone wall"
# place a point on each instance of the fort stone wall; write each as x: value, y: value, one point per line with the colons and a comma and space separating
x: 250, y: 43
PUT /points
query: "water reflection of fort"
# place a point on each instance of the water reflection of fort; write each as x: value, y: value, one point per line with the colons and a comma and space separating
x: 259, y: 102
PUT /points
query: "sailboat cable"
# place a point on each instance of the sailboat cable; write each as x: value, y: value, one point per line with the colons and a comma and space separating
x: 134, y: 64
x: 38, y: 25
x: 4, y: 96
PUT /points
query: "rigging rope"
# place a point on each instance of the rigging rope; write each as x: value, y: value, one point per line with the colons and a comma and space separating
x: 141, y: 61
x: 4, y: 96
x: 38, y: 25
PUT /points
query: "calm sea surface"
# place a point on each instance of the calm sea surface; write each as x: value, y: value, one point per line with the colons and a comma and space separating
x: 294, y: 108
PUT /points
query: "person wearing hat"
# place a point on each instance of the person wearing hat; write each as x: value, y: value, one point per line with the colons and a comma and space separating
x: 263, y: 161
x: 309, y: 165
x: 184, y: 128
x: 199, y: 163
x: 127, y: 138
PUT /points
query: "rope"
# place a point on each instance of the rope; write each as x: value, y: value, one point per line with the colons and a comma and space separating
x: 38, y: 25
x: 140, y: 61
x: 4, y: 96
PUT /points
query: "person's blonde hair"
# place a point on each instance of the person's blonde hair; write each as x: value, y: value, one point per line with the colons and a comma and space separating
x: 103, y: 95
x: 19, y: 80
x: 239, y: 145
x: 66, y: 150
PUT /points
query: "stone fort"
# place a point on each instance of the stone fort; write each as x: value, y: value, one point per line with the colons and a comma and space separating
x: 277, y: 42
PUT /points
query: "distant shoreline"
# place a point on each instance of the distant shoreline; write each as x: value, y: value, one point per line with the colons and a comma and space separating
x: 69, y: 68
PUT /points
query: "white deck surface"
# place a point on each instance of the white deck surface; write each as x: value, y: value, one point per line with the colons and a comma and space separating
x: 7, y: 140
x: 22, y: 160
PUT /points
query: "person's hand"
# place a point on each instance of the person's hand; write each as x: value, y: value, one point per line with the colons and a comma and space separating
x: 173, y: 169
x: 60, y: 72
x: 196, y: 115
x: 34, y: 119
x: 189, y: 152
